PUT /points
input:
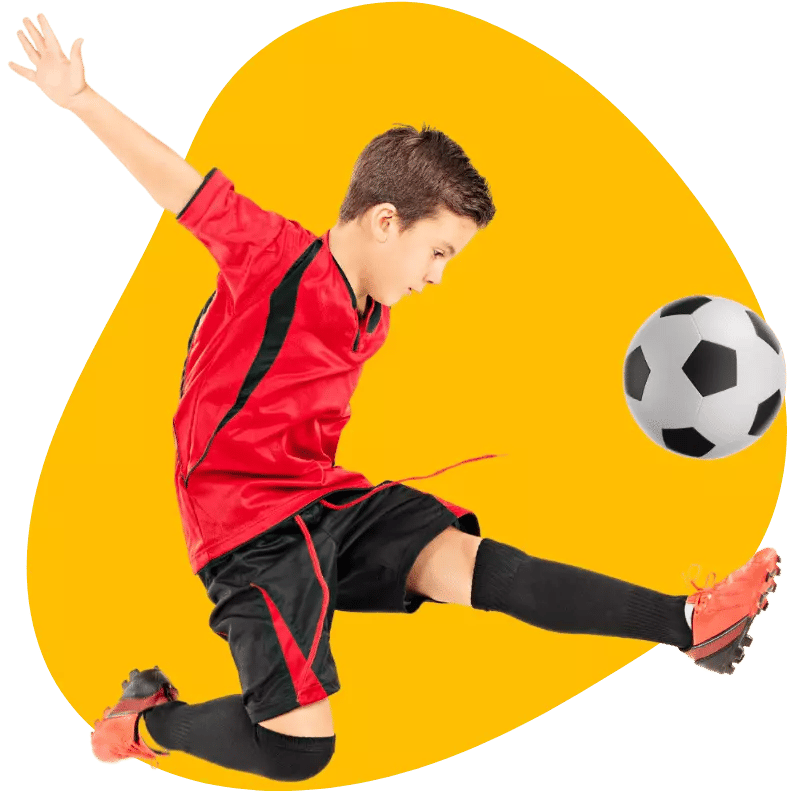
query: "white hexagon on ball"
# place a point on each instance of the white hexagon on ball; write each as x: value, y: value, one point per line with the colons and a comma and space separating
x: 704, y: 376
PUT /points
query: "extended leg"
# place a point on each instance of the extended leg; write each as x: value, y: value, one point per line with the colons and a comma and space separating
x: 711, y: 626
x: 459, y: 568
x: 443, y: 570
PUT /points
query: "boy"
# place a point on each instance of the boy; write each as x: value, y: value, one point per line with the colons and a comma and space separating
x: 279, y: 534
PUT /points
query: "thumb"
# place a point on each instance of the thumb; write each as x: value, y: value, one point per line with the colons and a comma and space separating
x: 75, y: 52
x: 77, y: 68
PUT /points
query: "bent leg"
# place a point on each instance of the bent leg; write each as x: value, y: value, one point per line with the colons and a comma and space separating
x: 221, y: 731
x: 270, y: 606
x: 315, y: 719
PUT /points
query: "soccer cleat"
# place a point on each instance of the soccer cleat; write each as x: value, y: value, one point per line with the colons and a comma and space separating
x: 724, y: 612
x: 116, y: 735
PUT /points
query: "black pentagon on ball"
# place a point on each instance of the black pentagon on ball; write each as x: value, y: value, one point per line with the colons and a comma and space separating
x: 711, y: 368
x: 763, y: 331
x: 686, y: 305
x: 636, y: 373
x: 687, y: 441
x: 765, y: 413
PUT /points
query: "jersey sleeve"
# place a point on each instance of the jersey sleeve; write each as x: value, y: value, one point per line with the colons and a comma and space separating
x: 242, y: 237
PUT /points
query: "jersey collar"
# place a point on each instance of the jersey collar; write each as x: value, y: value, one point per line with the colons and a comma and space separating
x: 375, y: 314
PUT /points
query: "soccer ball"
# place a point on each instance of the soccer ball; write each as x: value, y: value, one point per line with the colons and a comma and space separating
x: 704, y: 376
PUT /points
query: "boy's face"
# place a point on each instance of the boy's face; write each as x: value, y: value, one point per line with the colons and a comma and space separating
x: 407, y: 262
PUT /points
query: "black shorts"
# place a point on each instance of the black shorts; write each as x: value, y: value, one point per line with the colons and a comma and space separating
x: 269, y: 596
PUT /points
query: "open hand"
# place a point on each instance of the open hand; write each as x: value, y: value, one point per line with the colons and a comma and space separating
x: 59, y: 77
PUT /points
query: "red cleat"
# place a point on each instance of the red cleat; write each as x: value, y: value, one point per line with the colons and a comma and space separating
x: 724, y: 612
x: 116, y: 735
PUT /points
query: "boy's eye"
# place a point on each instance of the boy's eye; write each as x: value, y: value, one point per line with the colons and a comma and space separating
x: 437, y: 253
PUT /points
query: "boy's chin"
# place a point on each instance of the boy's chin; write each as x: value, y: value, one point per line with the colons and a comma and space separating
x: 389, y: 299
x: 388, y: 296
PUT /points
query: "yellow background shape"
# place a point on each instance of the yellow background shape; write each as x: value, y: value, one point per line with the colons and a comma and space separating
x: 519, y: 351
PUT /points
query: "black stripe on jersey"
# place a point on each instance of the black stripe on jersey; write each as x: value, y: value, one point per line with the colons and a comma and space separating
x: 374, y: 317
x: 197, y: 192
x: 282, y: 304
x: 194, y: 330
x: 352, y: 300
x: 346, y: 283
x: 375, y: 314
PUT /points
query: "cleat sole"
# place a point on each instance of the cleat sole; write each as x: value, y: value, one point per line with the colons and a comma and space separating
x: 724, y: 661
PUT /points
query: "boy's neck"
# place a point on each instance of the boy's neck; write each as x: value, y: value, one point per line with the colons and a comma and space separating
x: 345, y: 241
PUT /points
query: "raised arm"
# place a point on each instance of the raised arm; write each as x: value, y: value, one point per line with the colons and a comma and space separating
x: 169, y: 179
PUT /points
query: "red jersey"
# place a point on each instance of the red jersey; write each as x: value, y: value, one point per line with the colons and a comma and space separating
x: 273, y: 361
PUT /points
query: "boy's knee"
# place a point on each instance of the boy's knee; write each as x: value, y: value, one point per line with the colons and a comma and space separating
x: 293, y: 758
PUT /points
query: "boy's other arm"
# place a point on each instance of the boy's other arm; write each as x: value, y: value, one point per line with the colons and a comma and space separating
x: 169, y: 179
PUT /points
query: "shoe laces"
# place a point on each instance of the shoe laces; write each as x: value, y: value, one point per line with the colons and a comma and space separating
x: 703, y: 592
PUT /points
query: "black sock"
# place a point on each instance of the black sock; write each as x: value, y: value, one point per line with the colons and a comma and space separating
x: 220, y: 731
x: 559, y: 597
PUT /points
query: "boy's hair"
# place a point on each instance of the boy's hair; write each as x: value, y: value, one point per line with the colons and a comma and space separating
x: 418, y: 172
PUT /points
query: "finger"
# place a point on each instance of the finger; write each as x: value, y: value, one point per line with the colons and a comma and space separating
x: 29, y: 48
x: 49, y: 36
x: 26, y: 73
x: 35, y: 35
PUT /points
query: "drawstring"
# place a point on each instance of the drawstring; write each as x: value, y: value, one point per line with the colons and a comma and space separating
x: 312, y: 552
x: 394, y: 483
x: 325, y: 600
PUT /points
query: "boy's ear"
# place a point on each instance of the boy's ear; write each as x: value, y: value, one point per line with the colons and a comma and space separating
x: 381, y: 218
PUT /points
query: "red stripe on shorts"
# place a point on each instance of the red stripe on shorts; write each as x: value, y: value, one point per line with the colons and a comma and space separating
x: 306, y: 685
